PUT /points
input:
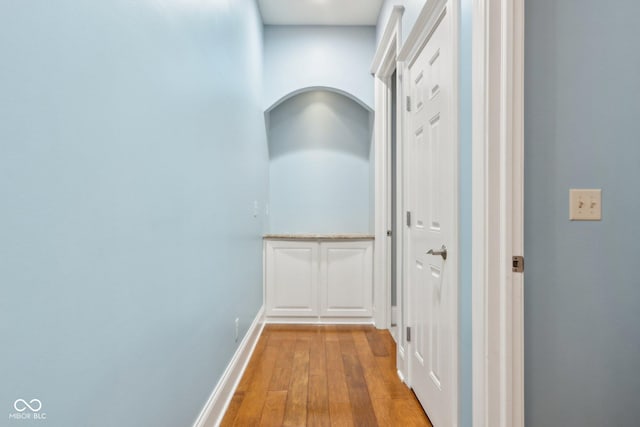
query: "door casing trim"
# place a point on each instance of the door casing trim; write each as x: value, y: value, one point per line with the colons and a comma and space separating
x: 497, y: 212
x: 385, y: 62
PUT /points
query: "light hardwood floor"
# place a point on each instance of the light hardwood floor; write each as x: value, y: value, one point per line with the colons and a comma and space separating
x: 323, y: 376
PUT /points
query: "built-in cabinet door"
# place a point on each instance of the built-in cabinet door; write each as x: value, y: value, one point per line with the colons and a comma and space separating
x: 291, y: 278
x: 346, y: 277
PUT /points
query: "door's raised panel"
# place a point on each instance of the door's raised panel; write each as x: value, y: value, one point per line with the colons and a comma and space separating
x: 420, y: 293
x: 292, y: 276
x: 434, y: 332
x: 434, y: 159
x: 346, y: 276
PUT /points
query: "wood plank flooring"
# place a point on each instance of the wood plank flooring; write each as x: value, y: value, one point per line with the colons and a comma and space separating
x: 323, y: 376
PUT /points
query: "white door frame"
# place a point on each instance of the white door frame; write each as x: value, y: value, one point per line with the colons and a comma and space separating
x: 382, y: 68
x: 498, y: 164
x: 426, y: 22
x: 385, y: 62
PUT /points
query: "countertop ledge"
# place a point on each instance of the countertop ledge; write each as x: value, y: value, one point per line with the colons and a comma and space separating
x: 340, y: 236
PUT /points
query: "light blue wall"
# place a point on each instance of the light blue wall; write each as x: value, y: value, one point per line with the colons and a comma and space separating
x: 409, y: 17
x: 582, y: 288
x: 319, y: 165
x: 296, y: 58
x: 372, y: 177
x: 132, y: 147
x: 301, y: 57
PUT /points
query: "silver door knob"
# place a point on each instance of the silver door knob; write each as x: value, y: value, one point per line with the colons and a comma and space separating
x: 442, y: 252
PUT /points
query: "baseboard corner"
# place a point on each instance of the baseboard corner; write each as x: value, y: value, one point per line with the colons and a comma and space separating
x: 401, y: 376
x: 216, y: 406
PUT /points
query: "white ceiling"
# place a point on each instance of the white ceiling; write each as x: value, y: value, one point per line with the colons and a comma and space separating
x: 320, y: 12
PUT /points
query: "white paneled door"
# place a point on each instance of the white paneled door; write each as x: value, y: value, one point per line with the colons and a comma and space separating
x: 431, y: 183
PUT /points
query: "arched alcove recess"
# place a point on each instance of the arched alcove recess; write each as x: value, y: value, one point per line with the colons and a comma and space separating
x: 297, y: 92
x: 320, y: 162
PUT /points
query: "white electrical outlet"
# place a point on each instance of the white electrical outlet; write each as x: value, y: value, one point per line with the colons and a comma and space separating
x: 255, y: 208
x: 237, y: 329
x: 585, y: 204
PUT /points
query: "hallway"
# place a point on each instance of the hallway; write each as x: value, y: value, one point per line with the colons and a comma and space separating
x: 321, y: 376
x: 182, y: 181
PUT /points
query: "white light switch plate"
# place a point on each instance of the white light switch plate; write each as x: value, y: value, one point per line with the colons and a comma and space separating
x: 585, y: 204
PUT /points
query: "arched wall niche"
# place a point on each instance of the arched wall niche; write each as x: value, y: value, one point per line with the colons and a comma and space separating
x: 302, y: 56
x: 319, y: 88
x: 320, y: 162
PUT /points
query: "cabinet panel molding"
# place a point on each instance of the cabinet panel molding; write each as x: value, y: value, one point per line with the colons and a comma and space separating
x: 291, y: 278
x: 346, y: 276
x: 319, y: 281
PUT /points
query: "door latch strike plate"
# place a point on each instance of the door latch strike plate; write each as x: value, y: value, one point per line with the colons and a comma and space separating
x: 518, y: 264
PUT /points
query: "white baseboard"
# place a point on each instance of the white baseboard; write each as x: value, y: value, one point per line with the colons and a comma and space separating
x: 319, y: 321
x: 213, y: 411
x: 401, y: 363
x: 401, y: 376
x: 394, y: 333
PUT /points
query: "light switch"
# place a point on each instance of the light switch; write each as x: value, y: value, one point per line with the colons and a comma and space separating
x: 585, y: 204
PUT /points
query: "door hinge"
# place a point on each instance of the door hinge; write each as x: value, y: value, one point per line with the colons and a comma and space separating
x: 518, y: 264
x: 389, y: 233
x: 408, y: 103
x: 408, y: 333
x: 408, y: 219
